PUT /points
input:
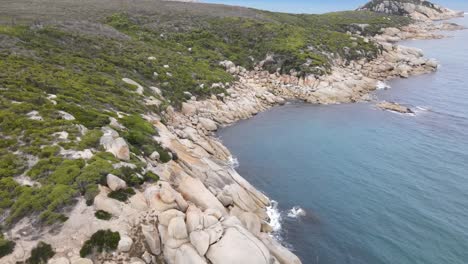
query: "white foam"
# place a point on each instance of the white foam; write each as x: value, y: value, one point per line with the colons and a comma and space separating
x: 275, y: 216
x: 233, y: 162
x: 382, y: 85
x: 296, y: 212
x: 420, y: 110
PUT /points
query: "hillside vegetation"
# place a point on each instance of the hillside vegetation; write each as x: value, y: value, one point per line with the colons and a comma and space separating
x: 70, y: 57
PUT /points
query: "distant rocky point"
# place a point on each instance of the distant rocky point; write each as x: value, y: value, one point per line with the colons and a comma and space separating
x: 416, y: 9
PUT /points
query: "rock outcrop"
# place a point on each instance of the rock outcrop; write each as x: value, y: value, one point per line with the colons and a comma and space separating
x: 390, y: 106
x: 416, y: 9
x: 113, y: 143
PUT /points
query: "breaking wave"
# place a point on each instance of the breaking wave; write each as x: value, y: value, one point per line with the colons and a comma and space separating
x: 382, y: 86
x: 296, y: 212
x: 275, y: 216
x: 420, y: 110
x: 233, y: 162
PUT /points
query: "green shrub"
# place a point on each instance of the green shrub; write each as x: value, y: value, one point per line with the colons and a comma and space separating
x: 137, y: 123
x: 67, y: 172
x: 164, y: 156
x: 102, y: 240
x: 150, y: 176
x: 10, y: 165
x: 48, y: 151
x: 41, y: 254
x: 103, y: 215
x: 122, y: 194
x: 88, y: 117
x: 90, y: 139
x: 6, y: 246
x: 94, y: 173
x: 47, y: 199
x: 44, y: 167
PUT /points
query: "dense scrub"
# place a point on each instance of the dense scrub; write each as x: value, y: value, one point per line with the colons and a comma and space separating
x: 40, y: 254
x: 103, y: 215
x: 76, y: 66
x: 6, y: 246
x: 102, y: 240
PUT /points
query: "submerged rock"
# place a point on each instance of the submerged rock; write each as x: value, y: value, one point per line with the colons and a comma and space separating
x: 394, y: 107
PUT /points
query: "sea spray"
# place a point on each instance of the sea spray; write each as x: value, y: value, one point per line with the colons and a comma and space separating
x: 420, y: 110
x: 382, y: 86
x: 275, y: 216
x: 296, y: 212
x: 233, y: 162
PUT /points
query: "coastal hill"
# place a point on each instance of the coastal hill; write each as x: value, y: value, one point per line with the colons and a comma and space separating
x: 108, y: 112
x: 416, y: 9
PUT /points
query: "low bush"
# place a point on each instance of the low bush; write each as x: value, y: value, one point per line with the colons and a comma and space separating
x: 6, y: 246
x: 41, y: 254
x: 150, y: 176
x: 103, y: 215
x: 102, y: 240
x: 122, y: 194
x: 90, y: 139
x: 10, y: 165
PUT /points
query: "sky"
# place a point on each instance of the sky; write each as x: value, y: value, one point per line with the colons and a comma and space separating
x: 319, y: 6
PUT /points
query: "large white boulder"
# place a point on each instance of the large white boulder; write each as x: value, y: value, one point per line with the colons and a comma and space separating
x: 115, y: 183
x: 238, y: 246
x: 125, y: 243
x: 166, y: 217
x: 153, y: 198
x: 282, y: 254
x: 60, y: 260
x: 139, y: 88
x: 188, y: 109
x: 186, y: 254
x: 208, y: 124
x: 151, y: 236
x: 104, y: 203
x: 114, y: 144
x: 81, y: 261
x: 177, y: 228
x: 200, y: 239
x: 194, y: 190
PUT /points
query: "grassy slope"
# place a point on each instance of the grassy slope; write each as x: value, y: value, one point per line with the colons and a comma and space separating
x: 80, y: 51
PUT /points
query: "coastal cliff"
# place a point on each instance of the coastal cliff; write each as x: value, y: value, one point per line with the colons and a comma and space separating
x: 129, y: 169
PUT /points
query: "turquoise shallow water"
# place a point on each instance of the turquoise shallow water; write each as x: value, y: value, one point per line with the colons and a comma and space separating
x: 378, y: 187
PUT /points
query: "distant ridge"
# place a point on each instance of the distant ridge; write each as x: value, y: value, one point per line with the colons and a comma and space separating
x: 416, y: 9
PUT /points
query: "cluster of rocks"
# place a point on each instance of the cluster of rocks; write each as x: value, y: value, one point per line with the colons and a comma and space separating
x: 416, y: 9
x: 420, y: 30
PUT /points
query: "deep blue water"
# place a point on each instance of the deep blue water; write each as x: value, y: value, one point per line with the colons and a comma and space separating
x: 378, y: 187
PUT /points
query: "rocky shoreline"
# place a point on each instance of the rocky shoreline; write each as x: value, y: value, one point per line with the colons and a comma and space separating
x: 202, y: 210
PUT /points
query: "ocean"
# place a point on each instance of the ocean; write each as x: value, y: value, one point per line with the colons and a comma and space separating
x: 355, y: 184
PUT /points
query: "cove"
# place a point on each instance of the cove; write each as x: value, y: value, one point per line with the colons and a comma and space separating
x: 377, y: 187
